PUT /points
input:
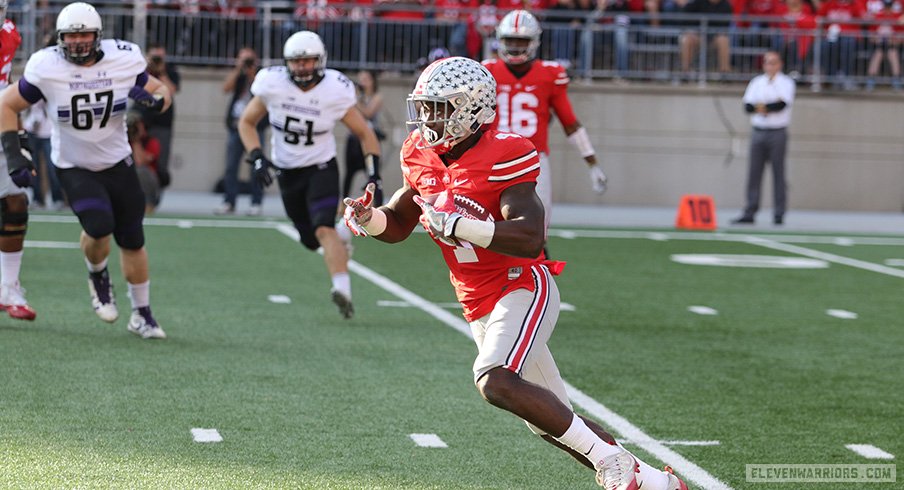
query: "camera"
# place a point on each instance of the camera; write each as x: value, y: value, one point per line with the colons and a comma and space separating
x: 248, y: 62
x: 156, y: 59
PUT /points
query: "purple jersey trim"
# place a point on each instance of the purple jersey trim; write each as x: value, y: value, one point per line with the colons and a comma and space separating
x: 29, y: 92
x: 142, y: 79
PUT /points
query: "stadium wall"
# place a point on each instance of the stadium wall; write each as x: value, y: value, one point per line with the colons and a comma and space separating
x: 656, y: 143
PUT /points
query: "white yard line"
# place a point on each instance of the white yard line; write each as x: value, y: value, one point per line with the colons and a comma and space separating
x: 428, y: 440
x: 206, y: 435
x: 46, y: 244
x: 869, y: 451
x: 815, y: 254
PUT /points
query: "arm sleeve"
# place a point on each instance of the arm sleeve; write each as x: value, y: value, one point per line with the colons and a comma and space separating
x: 559, y: 99
x: 29, y: 92
x: 519, y: 162
x: 775, y: 106
x: 142, y: 79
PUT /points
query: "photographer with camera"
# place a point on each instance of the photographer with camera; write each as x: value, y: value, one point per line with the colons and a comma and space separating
x: 160, y: 125
x: 238, y: 83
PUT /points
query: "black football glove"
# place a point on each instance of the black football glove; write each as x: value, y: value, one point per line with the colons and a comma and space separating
x: 146, y: 99
x: 163, y: 176
x: 372, y: 166
x: 260, y: 167
x: 18, y: 160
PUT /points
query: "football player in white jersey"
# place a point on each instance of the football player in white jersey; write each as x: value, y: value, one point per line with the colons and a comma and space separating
x: 305, y: 100
x: 86, y: 81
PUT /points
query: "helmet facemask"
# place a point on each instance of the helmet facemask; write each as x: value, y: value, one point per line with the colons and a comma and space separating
x: 439, y: 120
x: 79, y: 52
x: 303, y: 76
x: 518, y: 50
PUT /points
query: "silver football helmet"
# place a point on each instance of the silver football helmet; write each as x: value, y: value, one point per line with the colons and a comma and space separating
x: 453, y: 97
x: 301, y: 45
x: 518, y: 24
x: 79, y: 17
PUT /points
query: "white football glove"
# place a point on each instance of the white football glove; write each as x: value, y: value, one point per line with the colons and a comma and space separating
x: 441, y: 224
x: 598, y: 179
x: 358, y: 212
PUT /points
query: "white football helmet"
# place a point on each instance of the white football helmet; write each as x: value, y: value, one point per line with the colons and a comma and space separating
x: 518, y: 24
x: 305, y: 44
x: 453, y: 97
x: 79, y: 17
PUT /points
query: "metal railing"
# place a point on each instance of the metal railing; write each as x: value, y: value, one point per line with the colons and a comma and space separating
x: 594, y: 45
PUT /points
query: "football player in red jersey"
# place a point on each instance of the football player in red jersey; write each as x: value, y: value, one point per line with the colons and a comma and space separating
x: 13, y: 201
x: 528, y: 91
x: 474, y: 192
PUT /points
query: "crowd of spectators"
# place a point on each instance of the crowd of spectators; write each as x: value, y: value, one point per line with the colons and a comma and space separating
x: 855, y: 38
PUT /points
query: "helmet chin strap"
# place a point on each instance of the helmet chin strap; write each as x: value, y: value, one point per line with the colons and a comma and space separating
x: 314, y: 79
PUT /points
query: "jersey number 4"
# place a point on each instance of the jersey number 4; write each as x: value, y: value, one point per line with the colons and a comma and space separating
x: 518, y: 113
x: 293, y: 137
x: 83, y: 118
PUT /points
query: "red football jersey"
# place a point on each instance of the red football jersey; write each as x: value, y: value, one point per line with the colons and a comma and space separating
x: 9, y: 43
x: 523, y: 104
x: 497, y: 161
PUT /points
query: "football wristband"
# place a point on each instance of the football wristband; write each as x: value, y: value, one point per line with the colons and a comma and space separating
x: 479, y: 233
x: 581, y: 139
x: 377, y: 223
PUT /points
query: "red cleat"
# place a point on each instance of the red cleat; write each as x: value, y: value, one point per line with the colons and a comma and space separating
x: 675, y: 483
x: 12, y: 301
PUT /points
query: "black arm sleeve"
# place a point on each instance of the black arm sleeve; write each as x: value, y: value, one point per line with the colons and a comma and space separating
x: 749, y: 108
x: 775, y: 106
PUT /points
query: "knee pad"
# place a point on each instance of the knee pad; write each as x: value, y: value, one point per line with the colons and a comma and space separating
x: 14, y: 216
x: 96, y: 224
x: 307, y: 238
x: 130, y: 237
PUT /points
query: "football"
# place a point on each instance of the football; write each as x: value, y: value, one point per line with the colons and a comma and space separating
x: 463, y: 205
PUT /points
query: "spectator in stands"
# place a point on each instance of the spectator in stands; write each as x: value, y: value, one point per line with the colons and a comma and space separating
x: 403, y: 37
x: 567, y: 18
x: 534, y: 6
x: 160, y: 126
x: 795, y: 41
x: 37, y: 122
x: 238, y: 83
x: 370, y: 101
x: 453, y: 14
x: 884, y: 40
x: 146, y: 154
x: 839, y: 47
x: 485, y: 21
x: 716, y: 35
x: 768, y: 100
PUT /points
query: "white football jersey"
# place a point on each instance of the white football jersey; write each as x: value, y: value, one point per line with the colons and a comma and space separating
x: 303, y: 122
x: 87, y: 104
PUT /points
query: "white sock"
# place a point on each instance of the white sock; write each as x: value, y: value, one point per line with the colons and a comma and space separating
x: 650, y: 478
x: 583, y: 440
x: 343, y: 283
x: 10, y: 263
x: 140, y: 294
x: 96, y: 267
